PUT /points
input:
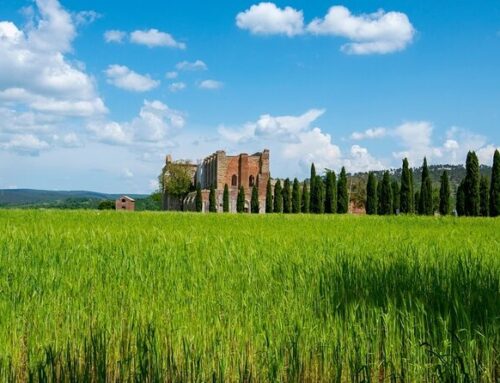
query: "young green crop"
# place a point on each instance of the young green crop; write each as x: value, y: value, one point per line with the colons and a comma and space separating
x: 95, y: 296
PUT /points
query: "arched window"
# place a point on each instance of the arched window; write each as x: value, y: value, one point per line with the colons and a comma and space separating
x: 251, y: 181
x: 234, y: 180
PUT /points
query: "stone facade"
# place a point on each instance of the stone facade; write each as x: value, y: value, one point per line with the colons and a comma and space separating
x: 220, y: 169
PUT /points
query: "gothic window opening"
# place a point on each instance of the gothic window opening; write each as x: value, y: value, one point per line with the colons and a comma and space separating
x: 251, y: 181
x: 234, y: 180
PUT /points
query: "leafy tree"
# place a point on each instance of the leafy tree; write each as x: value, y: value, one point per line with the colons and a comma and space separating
x: 460, y: 203
x: 225, y: 199
x: 484, y: 193
x: 395, y: 197
x: 435, y: 199
x: 386, y: 195
x: 240, y: 200
x: 287, y: 197
x: 342, y: 194
x: 471, y: 185
x: 106, y: 205
x: 305, y: 198
x: 296, y: 196
x: 331, y: 192
x: 198, y: 201
x: 444, y: 194
x: 416, y: 201
x: 320, y: 190
x: 269, y: 197
x: 176, y: 181
x: 371, y: 194
x: 406, y: 192
x: 278, y: 198
x: 254, y: 203
x: 495, y: 186
x: 212, y: 204
x: 425, y: 206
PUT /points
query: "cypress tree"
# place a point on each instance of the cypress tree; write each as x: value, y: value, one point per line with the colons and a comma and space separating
x: 296, y: 196
x: 371, y: 194
x: 379, y: 197
x: 406, y: 192
x: 212, y: 204
x: 342, y: 195
x: 471, y: 185
x: 386, y: 195
x: 425, y: 203
x: 460, y: 203
x: 331, y: 193
x: 254, y: 203
x: 225, y: 199
x: 495, y: 186
x: 269, y: 197
x: 395, y: 197
x: 199, y: 199
x: 287, y: 197
x: 305, y: 198
x: 320, y: 190
x: 312, y: 189
x: 444, y: 194
x: 240, y: 201
x: 416, y: 201
x: 484, y: 193
x: 413, y: 203
x: 278, y: 198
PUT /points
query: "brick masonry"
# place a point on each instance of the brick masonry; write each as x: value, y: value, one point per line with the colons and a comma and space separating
x: 220, y: 169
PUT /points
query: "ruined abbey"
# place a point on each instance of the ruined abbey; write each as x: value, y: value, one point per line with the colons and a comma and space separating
x: 219, y: 170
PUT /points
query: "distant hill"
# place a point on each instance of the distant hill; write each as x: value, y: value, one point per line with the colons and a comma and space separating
x: 30, y: 198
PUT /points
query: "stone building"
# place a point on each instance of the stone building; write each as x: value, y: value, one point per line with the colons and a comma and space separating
x: 220, y: 169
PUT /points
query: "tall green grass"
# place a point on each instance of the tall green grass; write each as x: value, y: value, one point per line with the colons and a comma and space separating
x: 88, y: 296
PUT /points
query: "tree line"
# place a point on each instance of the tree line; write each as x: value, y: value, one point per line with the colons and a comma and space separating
x: 476, y: 195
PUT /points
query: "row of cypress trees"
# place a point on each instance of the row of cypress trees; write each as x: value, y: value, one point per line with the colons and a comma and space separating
x: 322, y: 195
x: 476, y: 195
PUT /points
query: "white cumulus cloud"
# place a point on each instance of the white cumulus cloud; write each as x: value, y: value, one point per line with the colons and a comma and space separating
x: 177, y: 87
x: 197, y: 65
x: 379, y: 32
x: 369, y: 134
x: 211, y: 84
x: 155, y: 38
x: 267, y: 19
x: 114, y: 36
x: 125, y: 78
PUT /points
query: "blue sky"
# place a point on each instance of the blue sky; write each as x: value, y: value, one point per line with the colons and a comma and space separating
x: 93, y: 95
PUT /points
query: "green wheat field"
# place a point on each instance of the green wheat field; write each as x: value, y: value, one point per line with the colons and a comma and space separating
x: 177, y: 297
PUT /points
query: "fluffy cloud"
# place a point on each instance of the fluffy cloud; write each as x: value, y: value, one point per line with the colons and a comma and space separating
x: 378, y: 32
x: 369, y: 134
x: 124, y: 78
x: 25, y: 144
x: 176, y: 87
x: 294, y: 140
x: 285, y: 128
x: 210, y: 84
x: 171, y: 75
x: 114, y: 36
x: 151, y: 131
x: 197, y: 65
x: 34, y: 71
x: 155, y: 38
x: 268, y: 19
